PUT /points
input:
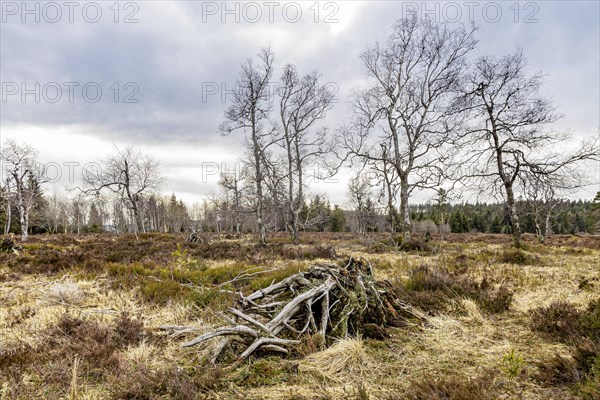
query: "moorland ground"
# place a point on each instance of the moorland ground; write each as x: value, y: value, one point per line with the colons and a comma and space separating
x: 80, y: 318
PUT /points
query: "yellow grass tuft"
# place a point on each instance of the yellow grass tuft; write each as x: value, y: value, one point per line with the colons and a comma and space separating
x: 472, y: 310
x: 344, y: 361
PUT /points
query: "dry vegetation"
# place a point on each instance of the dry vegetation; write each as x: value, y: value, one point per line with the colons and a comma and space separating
x: 80, y: 319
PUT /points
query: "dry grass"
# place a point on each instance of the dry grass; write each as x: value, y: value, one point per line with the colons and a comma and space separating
x: 347, y: 359
x: 455, y: 351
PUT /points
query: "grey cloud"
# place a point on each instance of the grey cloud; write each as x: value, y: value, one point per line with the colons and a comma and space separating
x: 171, y: 54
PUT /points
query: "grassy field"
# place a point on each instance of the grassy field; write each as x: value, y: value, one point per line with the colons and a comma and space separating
x: 79, y: 318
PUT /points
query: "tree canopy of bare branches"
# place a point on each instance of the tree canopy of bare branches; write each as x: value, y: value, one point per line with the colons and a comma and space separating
x: 510, y: 140
x: 303, y: 102
x: 410, y: 105
x: 129, y: 174
x: 249, y: 112
x: 24, y: 175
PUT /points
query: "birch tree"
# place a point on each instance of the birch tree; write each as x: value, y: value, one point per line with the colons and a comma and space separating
x: 411, y: 103
x: 249, y: 112
x: 512, y: 139
x: 303, y: 102
x: 129, y: 174
x: 24, y: 174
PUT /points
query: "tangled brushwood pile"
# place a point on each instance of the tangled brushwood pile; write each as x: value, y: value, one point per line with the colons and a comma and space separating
x: 8, y: 245
x: 327, y: 302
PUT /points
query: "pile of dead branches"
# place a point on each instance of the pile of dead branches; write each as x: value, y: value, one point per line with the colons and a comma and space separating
x: 8, y: 245
x: 327, y: 302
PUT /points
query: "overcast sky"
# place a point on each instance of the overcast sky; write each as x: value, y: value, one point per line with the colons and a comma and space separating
x: 163, y: 69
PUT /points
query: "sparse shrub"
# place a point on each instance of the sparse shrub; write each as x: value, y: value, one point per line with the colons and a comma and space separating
x: 438, y: 286
x: 517, y: 256
x: 266, y: 372
x: 415, y: 244
x: 15, y: 356
x: 94, y: 344
x: 374, y: 331
x: 431, y: 302
x: 560, y: 320
x: 590, y: 321
x: 461, y: 261
x: 495, y: 301
x: 129, y: 331
x: 378, y: 247
x: 424, y: 278
x: 587, y: 356
x: 559, y: 371
x: 93, y: 266
x: 307, y: 252
x: 581, y: 371
x: 567, y: 324
x: 141, y: 382
x: 18, y: 316
x: 451, y: 387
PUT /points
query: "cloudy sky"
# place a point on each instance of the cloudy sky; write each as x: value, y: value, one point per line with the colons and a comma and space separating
x: 78, y: 78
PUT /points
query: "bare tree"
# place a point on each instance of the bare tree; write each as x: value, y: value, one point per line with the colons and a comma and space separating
x: 232, y: 185
x: 249, y: 112
x: 541, y: 199
x: 129, y: 174
x: 509, y: 141
x: 25, y: 175
x: 411, y: 104
x: 360, y: 194
x: 55, y: 211
x: 7, y: 204
x: 303, y: 102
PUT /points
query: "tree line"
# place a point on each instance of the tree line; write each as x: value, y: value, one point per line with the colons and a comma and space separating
x: 430, y: 117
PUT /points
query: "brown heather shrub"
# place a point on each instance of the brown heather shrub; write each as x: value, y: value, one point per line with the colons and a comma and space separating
x: 432, y: 289
x: 495, y: 302
x: 129, y: 331
x: 581, y: 371
x: 379, y: 247
x: 15, y: 356
x: 559, y: 371
x: 564, y: 322
x: 17, y: 316
x: 560, y: 320
x: 96, y: 345
x: 308, y: 253
x: 141, y: 382
x: 590, y: 321
x: 415, y: 244
x: 452, y: 387
x: 517, y: 256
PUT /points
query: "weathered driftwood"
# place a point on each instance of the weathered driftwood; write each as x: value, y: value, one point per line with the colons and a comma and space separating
x: 328, y: 300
